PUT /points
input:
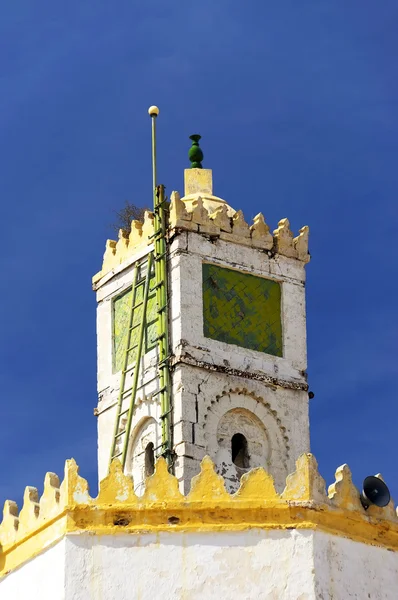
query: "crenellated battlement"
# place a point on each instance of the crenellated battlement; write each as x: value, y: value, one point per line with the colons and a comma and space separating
x: 304, y: 504
x: 197, y: 215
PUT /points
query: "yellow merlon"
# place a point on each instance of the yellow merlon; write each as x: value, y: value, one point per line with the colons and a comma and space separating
x: 304, y: 504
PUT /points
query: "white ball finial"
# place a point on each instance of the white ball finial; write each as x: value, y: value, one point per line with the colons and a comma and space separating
x: 153, y: 111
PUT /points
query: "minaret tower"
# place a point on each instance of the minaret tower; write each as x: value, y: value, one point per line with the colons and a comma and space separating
x: 236, y: 335
x: 202, y: 366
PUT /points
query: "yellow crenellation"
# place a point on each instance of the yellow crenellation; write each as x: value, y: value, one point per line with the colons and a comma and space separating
x: 194, y: 216
x: 304, y: 503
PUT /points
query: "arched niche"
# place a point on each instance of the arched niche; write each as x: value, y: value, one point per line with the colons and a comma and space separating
x: 142, y: 452
x: 242, y: 432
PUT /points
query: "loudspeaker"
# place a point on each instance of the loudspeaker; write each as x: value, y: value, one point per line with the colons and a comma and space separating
x: 375, y: 492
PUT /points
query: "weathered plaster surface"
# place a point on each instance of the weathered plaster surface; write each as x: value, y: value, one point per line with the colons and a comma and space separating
x: 42, y: 578
x: 255, y: 564
x: 204, y: 398
x: 345, y: 570
x: 187, y: 252
x: 248, y: 565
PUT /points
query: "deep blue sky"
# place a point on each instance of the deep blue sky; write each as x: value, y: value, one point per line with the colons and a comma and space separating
x: 297, y: 104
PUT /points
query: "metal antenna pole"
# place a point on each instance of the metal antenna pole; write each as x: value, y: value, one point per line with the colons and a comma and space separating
x: 161, y: 284
x: 153, y: 111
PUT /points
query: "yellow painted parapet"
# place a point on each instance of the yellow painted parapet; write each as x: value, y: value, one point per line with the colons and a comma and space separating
x: 304, y: 504
x: 117, y: 252
x: 196, y: 215
x: 211, y: 219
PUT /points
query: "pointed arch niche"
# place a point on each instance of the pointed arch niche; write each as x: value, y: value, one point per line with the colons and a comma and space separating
x: 141, y: 455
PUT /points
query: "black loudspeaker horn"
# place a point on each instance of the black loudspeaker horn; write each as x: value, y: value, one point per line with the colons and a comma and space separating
x: 375, y: 492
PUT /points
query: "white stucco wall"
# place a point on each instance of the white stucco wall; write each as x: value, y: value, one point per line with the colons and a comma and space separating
x: 42, y: 578
x: 348, y: 570
x: 206, y: 566
x: 250, y: 565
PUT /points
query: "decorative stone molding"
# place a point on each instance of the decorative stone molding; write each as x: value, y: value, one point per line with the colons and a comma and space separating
x: 301, y: 244
x: 30, y: 511
x: 221, y: 219
x: 179, y: 215
x: 195, y: 215
x: 208, y: 485
x: 202, y: 218
x: 109, y: 257
x: 9, y: 525
x: 283, y: 238
x: 257, y: 484
x: 239, y: 225
x: 126, y: 246
x: 273, y: 415
x: 260, y: 234
x: 343, y: 492
x: 305, y: 483
x: 208, y: 507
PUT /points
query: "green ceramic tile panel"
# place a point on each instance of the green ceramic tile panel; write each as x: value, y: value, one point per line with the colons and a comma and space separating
x: 121, y: 315
x: 242, y: 309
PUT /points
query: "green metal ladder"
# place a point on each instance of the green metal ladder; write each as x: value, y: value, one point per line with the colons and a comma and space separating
x: 161, y: 278
x: 155, y: 263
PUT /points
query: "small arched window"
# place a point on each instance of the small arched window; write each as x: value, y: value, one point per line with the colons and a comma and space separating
x: 240, y: 453
x: 149, y: 459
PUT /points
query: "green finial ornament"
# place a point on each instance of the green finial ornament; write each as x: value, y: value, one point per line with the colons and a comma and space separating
x: 195, y: 153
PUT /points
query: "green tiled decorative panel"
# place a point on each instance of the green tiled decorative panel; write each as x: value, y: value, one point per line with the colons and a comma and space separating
x: 121, y: 316
x: 242, y: 309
